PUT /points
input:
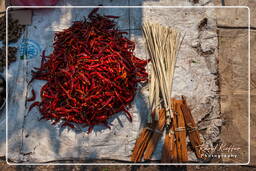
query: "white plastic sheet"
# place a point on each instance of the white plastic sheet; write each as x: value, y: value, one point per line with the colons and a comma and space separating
x: 195, y: 77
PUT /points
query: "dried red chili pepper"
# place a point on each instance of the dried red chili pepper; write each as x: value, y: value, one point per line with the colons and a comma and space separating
x: 91, y: 74
x: 33, y: 105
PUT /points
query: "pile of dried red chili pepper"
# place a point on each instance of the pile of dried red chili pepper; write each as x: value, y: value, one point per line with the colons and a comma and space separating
x: 91, y: 74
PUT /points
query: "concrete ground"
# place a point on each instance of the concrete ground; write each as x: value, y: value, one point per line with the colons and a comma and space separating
x: 232, y: 69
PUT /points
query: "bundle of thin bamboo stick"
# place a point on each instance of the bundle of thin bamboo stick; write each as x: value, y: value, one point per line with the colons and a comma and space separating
x: 162, y: 44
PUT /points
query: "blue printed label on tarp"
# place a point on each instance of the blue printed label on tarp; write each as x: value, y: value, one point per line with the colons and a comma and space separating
x: 29, y: 49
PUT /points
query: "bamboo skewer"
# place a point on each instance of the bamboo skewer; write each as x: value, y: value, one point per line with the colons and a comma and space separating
x: 162, y: 44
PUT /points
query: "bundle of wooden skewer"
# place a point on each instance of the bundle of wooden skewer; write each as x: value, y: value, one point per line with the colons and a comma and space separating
x: 171, y: 116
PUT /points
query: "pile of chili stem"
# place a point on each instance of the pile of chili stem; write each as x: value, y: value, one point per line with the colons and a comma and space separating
x: 91, y: 74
